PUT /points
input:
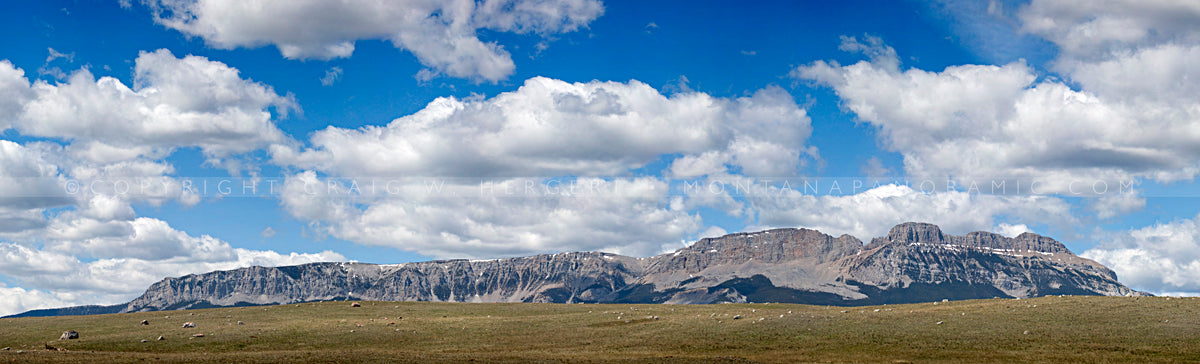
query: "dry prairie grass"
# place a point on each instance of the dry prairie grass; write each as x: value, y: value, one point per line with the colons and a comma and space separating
x: 1061, y: 329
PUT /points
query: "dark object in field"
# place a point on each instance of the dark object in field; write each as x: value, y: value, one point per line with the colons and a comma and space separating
x: 145, y: 322
x: 356, y: 304
x: 69, y: 335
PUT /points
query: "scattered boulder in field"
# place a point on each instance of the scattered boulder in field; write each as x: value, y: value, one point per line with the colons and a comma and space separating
x: 160, y: 338
x: 198, y: 335
x: 145, y: 322
x: 145, y: 341
x: 241, y: 323
x: 189, y: 324
x: 356, y: 304
x: 69, y: 335
x: 736, y: 317
x: 1026, y: 332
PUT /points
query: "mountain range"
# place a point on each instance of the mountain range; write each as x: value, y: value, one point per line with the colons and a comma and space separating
x: 914, y: 262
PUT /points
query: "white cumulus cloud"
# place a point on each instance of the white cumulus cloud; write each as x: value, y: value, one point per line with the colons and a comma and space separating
x: 1162, y: 258
x: 16, y: 300
x: 1000, y: 123
x: 174, y: 102
x: 1103, y: 29
x: 503, y: 217
x: 480, y: 148
x: 549, y: 127
x: 442, y: 34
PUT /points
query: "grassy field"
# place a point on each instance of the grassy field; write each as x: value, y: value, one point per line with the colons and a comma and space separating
x: 1049, y: 329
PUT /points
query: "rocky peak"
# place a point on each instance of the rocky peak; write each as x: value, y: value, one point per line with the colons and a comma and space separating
x: 923, y: 233
x: 916, y: 232
x: 1038, y: 243
x: 775, y: 245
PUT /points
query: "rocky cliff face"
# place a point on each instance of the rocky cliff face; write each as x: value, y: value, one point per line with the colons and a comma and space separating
x: 567, y: 277
x: 914, y: 263
x: 1028, y: 265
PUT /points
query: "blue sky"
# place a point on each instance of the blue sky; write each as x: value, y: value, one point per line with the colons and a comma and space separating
x: 650, y: 113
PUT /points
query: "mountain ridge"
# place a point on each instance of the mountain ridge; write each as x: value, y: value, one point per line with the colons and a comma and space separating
x: 914, y: 262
